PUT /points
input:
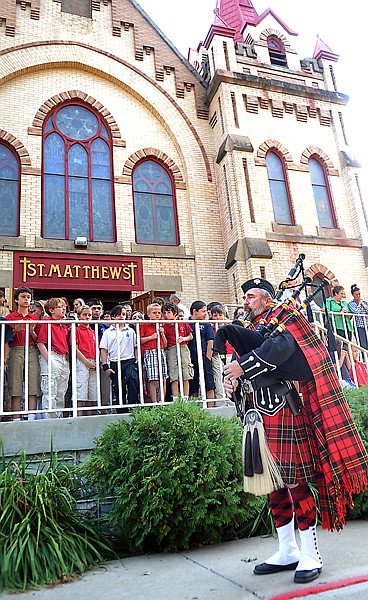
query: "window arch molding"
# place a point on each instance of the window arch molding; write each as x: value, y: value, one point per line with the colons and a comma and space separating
x: 77, y: 174
x: 18, y: 148
x: 154, y: 154
x: 10, y: 190
x: 154, y: 202
x: 267, y: 33
x: 79, y: 96
x: 279, y: 188
x: 266, y: 146
x: 321, y: 156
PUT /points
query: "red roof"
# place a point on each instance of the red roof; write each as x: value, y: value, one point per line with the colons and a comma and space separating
x: 321, y: 50
x: 239, y: 13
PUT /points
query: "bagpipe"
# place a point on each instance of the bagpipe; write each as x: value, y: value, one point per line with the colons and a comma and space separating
x: 261, y: 474
x: 280, y: 313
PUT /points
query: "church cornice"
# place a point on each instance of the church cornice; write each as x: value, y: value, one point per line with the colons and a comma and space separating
x: 284, y: 87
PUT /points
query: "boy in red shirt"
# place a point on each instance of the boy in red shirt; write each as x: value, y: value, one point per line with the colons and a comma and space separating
x: 178, y: 335
x: 54, y: 389
x: 85, y: 341
x: 151, y: 357
x: 16, y: 361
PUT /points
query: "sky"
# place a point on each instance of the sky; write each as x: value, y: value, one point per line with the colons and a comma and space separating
x: 186, y: 22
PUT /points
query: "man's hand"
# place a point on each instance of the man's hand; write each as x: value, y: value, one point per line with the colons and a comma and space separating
x: 232, y: 371
x: 229, y: 386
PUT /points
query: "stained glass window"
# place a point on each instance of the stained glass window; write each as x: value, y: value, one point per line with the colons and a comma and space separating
x: 77, y: 165
x: 325, y: 212
x: 154, y: 205
x: 9, y: 192
x: 279, y: 190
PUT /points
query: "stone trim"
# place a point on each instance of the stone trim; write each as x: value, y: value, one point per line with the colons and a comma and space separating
x: 273, y: 144
x: 266, y: 33
x: 20, y: 149
x: 291, y: 238
x: 319, y: 269
x: 161, y: 156
x: 314, y: 150
x: 60, y: 98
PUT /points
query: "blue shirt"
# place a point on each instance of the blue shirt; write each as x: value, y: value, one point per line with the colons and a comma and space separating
x: 207, y: 334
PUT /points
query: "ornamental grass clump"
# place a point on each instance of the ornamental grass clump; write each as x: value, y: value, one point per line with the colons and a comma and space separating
x: 176, y: 476
x: 43, y: 537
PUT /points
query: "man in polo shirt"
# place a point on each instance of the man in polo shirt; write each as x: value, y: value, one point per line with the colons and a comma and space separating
x: 54, y: 381
x: 17, y: 367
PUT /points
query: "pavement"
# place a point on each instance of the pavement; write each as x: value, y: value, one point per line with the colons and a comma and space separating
x: 223, y: 572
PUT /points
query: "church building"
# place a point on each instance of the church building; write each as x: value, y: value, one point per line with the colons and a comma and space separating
x: 128, y: 171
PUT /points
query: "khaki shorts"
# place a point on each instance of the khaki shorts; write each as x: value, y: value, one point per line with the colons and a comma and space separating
x: 172, y: 363
x: 16, y: 371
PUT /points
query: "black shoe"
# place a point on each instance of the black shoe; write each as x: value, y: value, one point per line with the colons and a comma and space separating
x: 307, y: 576
x: 267, y: 569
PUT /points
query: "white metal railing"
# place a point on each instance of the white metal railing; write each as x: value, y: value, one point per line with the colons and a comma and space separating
x: 74, y: 409
x: 112, y: 404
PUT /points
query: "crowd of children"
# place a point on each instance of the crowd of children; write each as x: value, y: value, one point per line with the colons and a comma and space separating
x: 108, y: 372
x: 93, y: 368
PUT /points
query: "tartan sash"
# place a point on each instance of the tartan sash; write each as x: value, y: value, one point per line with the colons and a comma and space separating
x: 342, y: 457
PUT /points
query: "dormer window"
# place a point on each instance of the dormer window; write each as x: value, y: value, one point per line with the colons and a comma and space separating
x: 276, y: 51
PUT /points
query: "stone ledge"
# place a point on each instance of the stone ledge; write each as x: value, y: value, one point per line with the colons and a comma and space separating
x: 311, y: 239
x: 152, y: 250
x: 9, y: 242
x: 287, y: 229
x: 110, y: 248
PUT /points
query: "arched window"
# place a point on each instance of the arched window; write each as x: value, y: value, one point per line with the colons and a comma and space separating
x: 9, y: 191
x: 77, y: 176
x: 279, y: 190
x: 322, y: 196
x: 276, y: 51
x: 154, y: 205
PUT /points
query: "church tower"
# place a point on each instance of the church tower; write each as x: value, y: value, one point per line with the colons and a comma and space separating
x: 287, y: 182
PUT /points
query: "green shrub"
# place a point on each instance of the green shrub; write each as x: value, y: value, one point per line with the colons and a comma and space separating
x: 43, y: 538
x: 176, y: 476
x: 358, y: 402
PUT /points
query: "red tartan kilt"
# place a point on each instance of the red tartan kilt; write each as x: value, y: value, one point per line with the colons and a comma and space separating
x: 292, y: 445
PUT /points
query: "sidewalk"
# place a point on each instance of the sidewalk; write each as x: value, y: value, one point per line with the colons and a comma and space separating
x: 223, y: 572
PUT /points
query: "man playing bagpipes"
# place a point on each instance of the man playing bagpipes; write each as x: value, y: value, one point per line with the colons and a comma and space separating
x: 303, y: 440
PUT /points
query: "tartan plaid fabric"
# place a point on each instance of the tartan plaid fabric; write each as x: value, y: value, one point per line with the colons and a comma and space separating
x: 321, y: 443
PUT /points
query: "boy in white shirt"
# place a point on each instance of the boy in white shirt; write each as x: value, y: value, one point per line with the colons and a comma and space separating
x: 118, y: 357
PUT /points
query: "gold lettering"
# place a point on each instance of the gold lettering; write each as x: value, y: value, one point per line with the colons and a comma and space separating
x: 104, y: 273
x: 115, y: 272
x: 68, y: 271
x: 129, y: 272
x: 40, y: 269
x: 31, y: 271
x: 54, y: 269
x: 86, y: 269
x: 25, y: 262
x: 95, y: 272
x: 76, y: 269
